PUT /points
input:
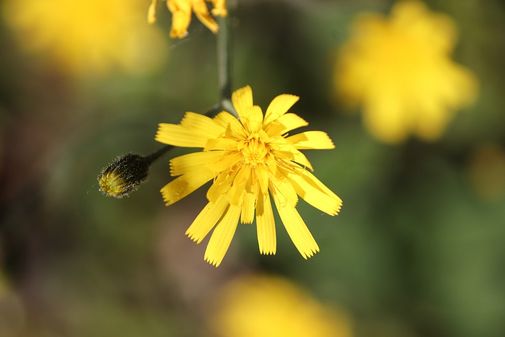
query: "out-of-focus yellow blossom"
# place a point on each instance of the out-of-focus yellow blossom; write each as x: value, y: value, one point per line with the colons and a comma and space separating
x: 249, y: 160
x: 90, y: 35
x: 399, y: 70
x: 487, y: 172
x: 266, y: 306
x: 182, y: 11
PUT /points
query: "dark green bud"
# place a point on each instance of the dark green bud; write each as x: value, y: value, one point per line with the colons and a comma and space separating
x: 124, y: 175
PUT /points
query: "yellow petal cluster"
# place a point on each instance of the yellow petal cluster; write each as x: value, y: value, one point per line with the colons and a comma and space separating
x: 250, y: 160
x: 182, y: 12
x: 87, y: 36
x: 268, y: 306
x: 399, y: 70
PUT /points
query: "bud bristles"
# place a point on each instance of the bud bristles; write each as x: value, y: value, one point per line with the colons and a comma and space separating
x: 124, y: 175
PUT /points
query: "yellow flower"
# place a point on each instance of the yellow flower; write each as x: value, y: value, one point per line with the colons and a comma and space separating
x: 400, y: 71
x: 266, y: 306
x: 249, y: 159
x: 91, y: 35
x: 181, y: 14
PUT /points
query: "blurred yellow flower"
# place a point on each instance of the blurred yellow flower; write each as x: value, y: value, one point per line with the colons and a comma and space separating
x: 182, y: 11
x: 248, y: 159
x: 266, y: 306
x: 90, y: 35
x: 400, y: 71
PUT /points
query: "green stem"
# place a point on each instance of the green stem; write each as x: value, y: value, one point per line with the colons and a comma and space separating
x: 224, y: 81
x: 156, y: 154
x: 224, y: 64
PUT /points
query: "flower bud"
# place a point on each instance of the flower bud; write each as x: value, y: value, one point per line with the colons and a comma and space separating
x: 123, y: 175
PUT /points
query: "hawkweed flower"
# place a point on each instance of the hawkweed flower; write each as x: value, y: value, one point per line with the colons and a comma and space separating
x: 123, y: 176
x: 182, y: 12
x: 399, y: 70
x: 250, y: 160
x: 268, y: 306
x: 87, y: 36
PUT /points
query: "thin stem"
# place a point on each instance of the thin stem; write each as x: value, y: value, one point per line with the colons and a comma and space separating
x: 224, y: 80
x: 224, y: 64
x: 156, y: 154
x: 223, y: 60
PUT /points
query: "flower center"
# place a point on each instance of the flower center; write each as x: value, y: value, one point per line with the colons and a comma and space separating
x: 254, y: 149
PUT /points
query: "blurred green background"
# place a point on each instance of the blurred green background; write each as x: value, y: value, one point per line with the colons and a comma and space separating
x: 418, y: 249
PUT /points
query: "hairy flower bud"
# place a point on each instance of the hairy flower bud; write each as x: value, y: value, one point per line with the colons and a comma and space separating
x: 123, y: 175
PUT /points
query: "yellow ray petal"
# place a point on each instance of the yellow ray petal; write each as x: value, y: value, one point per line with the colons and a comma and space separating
x: 151, y: 12
x: 311, y: 140
x: 248, y: 204
x: 265, y: 224
x: 285, y: 154
x: 226, y: 120
x: 221, y: 237
x: 279, y: 106
x: 181, y: 17
x: 289, y: 152
x: 285, y: 123
x: 178, y: 135
x: 194, y: 161
x: 219, y: 8
x: 206, y: 220
x: 229, y: 160
x: 301, y: 159
x: 202, y: 125
x: 221, y: 185
x: 262, y: 177
x: 202, y: 13
x: 184, y: 185
x: 316, y: 182
x: 179, y: 5
x: 307, y: 188
x: 297, y: 229
x: 253, y: 119
x: 282, y: 189
x: 271, y: 165
x: 242, y: 100
x: 227, y: 144
x: 238, y: 188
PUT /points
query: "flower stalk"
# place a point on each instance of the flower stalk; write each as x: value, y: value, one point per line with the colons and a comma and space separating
x: 123, y: 175
x: 224, y: 64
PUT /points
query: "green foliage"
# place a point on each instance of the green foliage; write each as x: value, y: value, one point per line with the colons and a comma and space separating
x: 414, y: 252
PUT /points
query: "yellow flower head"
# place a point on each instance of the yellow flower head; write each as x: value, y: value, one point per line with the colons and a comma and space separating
x: 181, y: 14
x: 249, y: 159
x: 400, y: 71
x: 266, y: 306
x: 90, y: 35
